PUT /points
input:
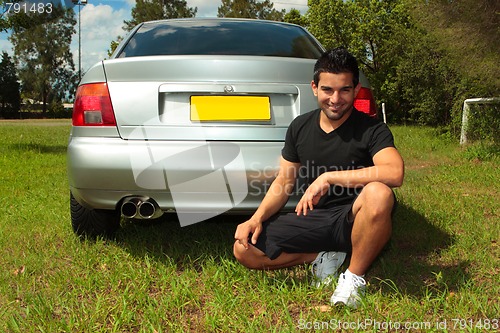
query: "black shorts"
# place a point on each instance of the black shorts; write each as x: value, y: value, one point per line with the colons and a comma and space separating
x: 322, y: 229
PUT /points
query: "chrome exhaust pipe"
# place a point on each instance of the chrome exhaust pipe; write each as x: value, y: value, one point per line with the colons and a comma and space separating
x: 140, y: 208
x: 130, y: 207
x: 149, y: 209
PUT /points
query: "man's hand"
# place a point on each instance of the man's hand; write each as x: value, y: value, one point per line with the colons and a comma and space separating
x: 244, y: 230
x: 312, y: 195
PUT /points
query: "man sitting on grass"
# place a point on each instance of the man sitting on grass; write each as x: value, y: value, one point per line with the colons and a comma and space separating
x: 350, y: 164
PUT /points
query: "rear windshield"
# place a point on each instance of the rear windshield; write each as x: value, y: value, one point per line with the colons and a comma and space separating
x: 255, y: 38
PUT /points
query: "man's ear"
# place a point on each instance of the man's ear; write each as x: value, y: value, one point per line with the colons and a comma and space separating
x: 314, y: 88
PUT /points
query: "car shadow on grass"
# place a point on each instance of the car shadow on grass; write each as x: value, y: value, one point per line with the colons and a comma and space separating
x: 166, y: 241
x: 409, y: 265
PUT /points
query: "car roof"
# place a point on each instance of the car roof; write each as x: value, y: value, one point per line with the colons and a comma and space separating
x: 195, y: 20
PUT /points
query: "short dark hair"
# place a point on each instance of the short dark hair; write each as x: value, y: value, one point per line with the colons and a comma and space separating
x: 337, y: 60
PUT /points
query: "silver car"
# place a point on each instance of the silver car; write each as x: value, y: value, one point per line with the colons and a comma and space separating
x: 188, y: 116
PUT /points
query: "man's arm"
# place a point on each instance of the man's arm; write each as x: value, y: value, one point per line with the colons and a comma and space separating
x: 275, y: 198
x: 388, y: 169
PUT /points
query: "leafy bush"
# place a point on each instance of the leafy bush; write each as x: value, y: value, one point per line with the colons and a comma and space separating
x: 484, y: 123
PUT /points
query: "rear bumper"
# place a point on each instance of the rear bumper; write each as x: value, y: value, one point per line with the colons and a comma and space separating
x: 183, y: 176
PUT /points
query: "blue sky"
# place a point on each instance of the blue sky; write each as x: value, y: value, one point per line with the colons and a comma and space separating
x: 102, y: 21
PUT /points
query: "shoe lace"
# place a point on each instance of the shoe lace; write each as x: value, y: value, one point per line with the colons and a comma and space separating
x: 358, y: 281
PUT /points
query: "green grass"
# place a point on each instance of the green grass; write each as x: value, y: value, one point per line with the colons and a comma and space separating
x: 441, y: 266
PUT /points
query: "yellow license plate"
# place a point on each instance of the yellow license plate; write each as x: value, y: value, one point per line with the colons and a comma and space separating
x: 230, y: 108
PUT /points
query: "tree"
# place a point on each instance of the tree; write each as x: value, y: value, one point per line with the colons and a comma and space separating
x: 294, y: 16
x: 10, y: 98
x: 365, y: 27
x: 150, y: 10
x: 424, y: 82
x: 379, y: 34
x: 250, y: 9
x: 469, y: 30
x: 42, y: 52
x: 422, y: 57
x: 113, y: 45
x: 4, y: 19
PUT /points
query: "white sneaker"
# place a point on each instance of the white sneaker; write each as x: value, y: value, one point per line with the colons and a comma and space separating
x: 349, y: 290
x: 324, y: 268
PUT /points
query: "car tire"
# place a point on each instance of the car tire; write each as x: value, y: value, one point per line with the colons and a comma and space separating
x: 93, y: 223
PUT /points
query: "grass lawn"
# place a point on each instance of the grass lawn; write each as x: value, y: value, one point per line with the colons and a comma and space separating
x: 440, y: 271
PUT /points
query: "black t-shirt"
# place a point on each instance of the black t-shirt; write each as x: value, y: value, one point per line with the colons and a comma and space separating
x: 350, y: 146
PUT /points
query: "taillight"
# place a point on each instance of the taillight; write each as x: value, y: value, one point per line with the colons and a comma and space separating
x: 365, y: 102
x: 93, y: 106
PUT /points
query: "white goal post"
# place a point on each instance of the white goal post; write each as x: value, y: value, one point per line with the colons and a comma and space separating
x: 466, y: 111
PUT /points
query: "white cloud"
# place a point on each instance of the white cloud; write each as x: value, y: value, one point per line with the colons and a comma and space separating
x: 206, y: 8
x: 100, y: 25
x: 5, y: 46
x: 300, y: 5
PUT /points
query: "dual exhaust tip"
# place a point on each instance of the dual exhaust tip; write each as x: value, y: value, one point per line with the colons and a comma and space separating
x: 140, y: 208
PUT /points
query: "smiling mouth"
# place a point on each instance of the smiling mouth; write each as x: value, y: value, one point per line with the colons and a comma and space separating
x: 335, y: 108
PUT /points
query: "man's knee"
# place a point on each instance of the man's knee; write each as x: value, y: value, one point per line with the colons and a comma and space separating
x: 376, y: 199
x: 246, y: 257
x: 238, y: 251
x: 377, y: 189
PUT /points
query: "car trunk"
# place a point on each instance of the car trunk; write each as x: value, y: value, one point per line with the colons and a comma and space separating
x: 223, y: 98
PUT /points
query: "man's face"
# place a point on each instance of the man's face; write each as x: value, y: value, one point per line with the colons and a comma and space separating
x: 335, y: 94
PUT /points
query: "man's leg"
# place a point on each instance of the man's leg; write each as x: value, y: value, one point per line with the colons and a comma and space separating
x: 372, y: 225
x: 256, y: 259
x: 371, y: 230
x: 292, y: 240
